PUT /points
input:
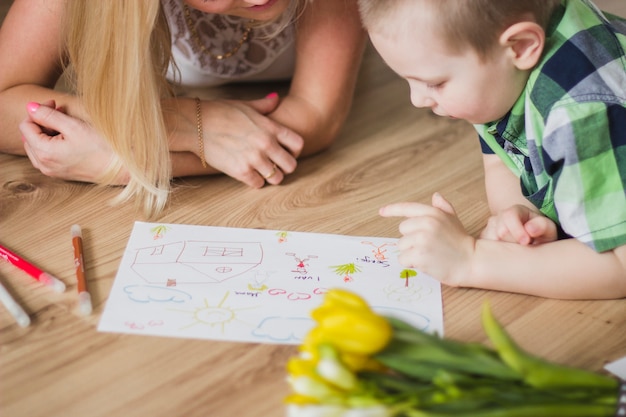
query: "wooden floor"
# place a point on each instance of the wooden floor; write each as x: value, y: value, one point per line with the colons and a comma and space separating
x: 387, y: 152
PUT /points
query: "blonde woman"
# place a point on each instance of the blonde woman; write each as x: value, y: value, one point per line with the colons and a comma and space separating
x: 123, y: 124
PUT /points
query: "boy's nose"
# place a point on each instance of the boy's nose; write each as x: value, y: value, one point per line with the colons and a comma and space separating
x: 422, y: 101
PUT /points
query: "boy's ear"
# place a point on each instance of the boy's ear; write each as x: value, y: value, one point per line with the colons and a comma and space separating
x: 524, y: 42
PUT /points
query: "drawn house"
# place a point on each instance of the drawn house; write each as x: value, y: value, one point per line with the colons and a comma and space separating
x: 196, y: 262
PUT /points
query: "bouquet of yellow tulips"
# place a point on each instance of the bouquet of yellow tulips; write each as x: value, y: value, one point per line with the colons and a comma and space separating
x: 358, y: 363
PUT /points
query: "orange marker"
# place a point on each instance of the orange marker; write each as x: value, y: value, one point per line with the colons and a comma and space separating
x: 84, y: 299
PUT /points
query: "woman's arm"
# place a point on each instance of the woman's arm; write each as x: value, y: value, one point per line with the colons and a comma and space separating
x: 329, y: 47
x: 30, y: 58
x: 330, y: 43
x: 248, y: 143
x: 30, y: 42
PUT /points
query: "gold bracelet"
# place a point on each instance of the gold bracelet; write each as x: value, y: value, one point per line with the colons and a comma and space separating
x: 200, y: 132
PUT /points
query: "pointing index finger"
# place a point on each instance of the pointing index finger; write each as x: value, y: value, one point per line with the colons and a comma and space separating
x: 406, y: 209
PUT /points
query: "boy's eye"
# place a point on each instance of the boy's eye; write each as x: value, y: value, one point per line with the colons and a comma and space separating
x: 434, y: 86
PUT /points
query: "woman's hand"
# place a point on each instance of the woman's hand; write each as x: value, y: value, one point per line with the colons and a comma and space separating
x: 241, y: 141
x: 62, y: 146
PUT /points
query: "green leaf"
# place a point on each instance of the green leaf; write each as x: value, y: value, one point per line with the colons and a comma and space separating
x: 536, y: 371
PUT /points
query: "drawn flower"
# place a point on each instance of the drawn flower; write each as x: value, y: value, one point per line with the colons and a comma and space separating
x: 347, y: 270
x: 158, y: 231
x: 357, y: 363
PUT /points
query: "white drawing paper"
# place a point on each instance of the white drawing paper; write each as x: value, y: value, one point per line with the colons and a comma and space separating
x: 253, y: 285
x: 617, y: 368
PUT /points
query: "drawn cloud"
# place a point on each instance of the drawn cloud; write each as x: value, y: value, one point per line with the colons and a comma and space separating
x: 283, y: 329
x: 151, y: 293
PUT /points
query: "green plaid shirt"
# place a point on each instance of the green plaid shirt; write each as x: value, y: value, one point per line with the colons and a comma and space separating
x: 566, y: 135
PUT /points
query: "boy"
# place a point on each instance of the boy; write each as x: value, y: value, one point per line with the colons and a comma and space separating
x: 544, y: 83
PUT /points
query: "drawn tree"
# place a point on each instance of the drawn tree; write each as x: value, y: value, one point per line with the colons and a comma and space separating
x: 347, y: 270
x: 406, y: 274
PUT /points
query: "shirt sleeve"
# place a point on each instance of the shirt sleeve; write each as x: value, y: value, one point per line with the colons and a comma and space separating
x: 583, y: 151
x: 486, y: 149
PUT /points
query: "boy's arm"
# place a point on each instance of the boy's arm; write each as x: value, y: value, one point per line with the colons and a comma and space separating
x: 502, y: 186
x: 513, y: 217
x: 565, y: 269
x: 435, y: 242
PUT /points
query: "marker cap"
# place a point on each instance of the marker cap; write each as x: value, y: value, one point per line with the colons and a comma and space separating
x: 84, y: 303
x: 55, y: 283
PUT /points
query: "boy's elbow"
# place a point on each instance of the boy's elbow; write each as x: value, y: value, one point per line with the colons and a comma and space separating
x: 620, y: 284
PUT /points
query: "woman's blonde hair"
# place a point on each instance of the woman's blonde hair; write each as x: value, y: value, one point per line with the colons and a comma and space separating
x: 474, y: 23
x: 119, y: 52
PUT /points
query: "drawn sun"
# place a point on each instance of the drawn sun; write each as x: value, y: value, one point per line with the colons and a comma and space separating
x: 213, y: 316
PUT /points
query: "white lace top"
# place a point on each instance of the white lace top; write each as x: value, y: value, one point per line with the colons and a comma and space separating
x: 260, y: 57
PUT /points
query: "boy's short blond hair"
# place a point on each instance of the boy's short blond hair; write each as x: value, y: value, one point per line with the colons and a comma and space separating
x: 462, y: 23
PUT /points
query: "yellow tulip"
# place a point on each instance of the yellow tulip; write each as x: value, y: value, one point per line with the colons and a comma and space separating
x: 337, y: 296
x: 300, y: 399
x: 313, y: 387
x: 355, y: 331
x: 298, y: 366
x: 349, y: 337
x: 356, y: 362
x: 317, y: 410
x: 346, y: 321
x: 333, y: 370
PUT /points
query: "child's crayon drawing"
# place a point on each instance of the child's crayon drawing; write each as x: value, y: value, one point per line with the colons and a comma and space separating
x: 246, y: 285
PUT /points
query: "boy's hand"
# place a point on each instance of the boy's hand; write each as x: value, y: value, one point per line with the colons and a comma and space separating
x: 520, y: 224
x: 434, y: 241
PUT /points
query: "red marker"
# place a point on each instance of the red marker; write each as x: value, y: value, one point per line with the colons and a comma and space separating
x: 32, y: 270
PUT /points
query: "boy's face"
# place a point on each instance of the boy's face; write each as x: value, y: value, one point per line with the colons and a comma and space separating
x: 452, y: 84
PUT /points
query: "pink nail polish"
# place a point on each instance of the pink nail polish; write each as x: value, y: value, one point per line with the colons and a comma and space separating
x: 272, y: 95
x: 32, y: 107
